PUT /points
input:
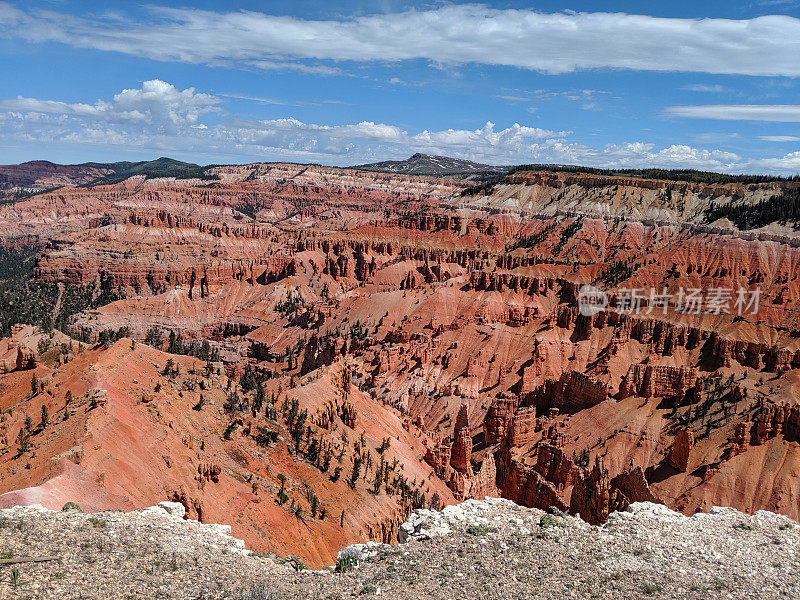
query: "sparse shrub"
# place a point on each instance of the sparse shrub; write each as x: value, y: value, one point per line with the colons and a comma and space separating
x: 346, y: 563
x: 368, y: 590
x: 70, y: 506
x: 743, y: 526
x: 97, y: 523
x: 260, y: 591
x: 650, y: 588
x: 297, y: 563
x: 547, y: 520
x: 480, y: 529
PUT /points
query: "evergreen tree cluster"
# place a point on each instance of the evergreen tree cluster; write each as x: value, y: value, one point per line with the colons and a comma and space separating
x: 24, y: 299
x: 486, y: 188
x: 783, y: 208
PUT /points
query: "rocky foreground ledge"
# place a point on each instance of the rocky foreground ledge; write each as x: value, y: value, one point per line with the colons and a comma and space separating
x: 478, y: 549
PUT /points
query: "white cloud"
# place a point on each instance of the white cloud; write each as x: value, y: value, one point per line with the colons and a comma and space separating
x: 588, y: 99
x: 157, y: 104
x: 547, y: 42
x: 157, y: 117
x: 512, y: 98
x: 337, y: 141
x: 284, y: 65
x: 738, y: 112
x: 700, y: 87
x: 790, y: 164
x: 779, y: 138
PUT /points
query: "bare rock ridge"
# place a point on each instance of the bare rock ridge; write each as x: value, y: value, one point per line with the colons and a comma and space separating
x: 489, y: 548
x: 436, y: 166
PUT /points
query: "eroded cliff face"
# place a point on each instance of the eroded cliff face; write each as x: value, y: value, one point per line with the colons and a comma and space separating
x: 615, y: 196
x: 394, y: 307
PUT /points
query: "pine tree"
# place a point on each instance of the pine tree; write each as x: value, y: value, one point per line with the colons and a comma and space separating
x: 22, y: 440
x: 356, y: 471
x: 281, y: 495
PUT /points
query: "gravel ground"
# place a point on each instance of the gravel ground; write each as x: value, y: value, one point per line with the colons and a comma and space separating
x: 478, y: 549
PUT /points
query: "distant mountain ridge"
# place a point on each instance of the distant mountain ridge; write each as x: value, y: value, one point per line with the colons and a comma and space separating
x: 436, y: 166
x: 32, y: 177
x: 37, y: 175
x: 160, y: 167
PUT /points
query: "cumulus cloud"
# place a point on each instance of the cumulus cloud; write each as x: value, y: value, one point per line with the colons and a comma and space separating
x: 157, y: 104
x: 547, y: 42
x: 159, y: 117
x: 737, y: 112
x: 674, y: 156
x: 380, y: 139
x: 790, y: 163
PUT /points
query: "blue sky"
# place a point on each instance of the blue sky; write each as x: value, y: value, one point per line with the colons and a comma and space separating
x: 708, y: 85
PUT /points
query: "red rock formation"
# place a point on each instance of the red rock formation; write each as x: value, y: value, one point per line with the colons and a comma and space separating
x: 499, y: 419
x: 209, y: 472
x: 462, y: 441
x: 26, y: 359
x: 458, y: 322
x: 593, y: 497
x: 657, y: 381
x: 681, y: 449
x: 573, y: 390
x: 741, y: 436
x: 634, y: 487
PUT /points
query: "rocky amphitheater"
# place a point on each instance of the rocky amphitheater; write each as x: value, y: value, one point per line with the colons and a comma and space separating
x: 318, y: 357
